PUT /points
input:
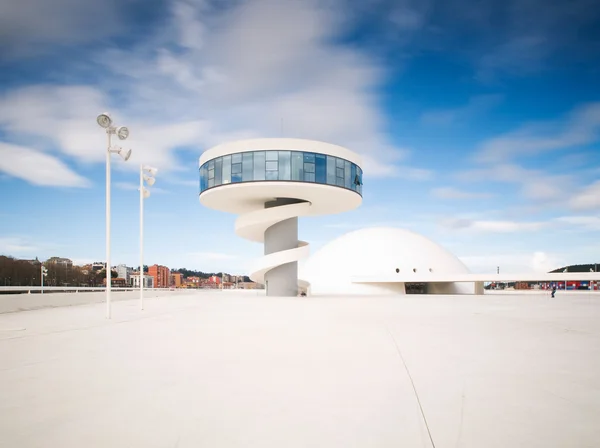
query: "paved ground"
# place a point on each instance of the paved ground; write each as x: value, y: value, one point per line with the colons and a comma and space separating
x: 227, y: 370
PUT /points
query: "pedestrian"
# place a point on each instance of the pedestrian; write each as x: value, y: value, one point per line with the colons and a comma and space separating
x: 553, y: 291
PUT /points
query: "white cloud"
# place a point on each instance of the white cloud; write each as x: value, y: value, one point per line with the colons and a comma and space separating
x: 132, y: 186
x: 37, y: 168
x: 534, y: 184
x: 214, y: 75
x: 587, y: 199
x: 586, y: 222
x: 527, y: 262
x: 15, y: 246
x: 491, y: 226
x: 580, y: 128
x: 455, y: 193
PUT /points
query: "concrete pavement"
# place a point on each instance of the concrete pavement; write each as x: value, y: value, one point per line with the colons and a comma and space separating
x: 225, y: 369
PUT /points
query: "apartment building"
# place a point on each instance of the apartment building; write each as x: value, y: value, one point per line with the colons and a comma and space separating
x: 160, y: 274
x: 176, y: 279
x: 135, y: 280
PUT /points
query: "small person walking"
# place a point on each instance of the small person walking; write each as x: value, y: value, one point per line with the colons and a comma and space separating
x: 553, y: 291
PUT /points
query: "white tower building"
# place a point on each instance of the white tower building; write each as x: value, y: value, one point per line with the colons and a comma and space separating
x: 270, y: 183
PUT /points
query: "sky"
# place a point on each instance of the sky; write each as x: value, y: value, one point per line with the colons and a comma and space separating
x: 478, y: 123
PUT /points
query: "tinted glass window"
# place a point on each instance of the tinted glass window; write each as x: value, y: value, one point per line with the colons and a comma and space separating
x: 309, y: 157
x: 309, y: 167
x: 247, y: 173
x: 321, y: 168
x: 259, y: 165
x: 297, y: 166
x: 280, y: 165
x: 347, y: 178
x: 218, y: 170
x: 331, y: 170
x: 226, y: 169
x: 285, y: 169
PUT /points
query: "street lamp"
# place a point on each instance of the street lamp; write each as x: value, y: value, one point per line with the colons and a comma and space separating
x: 44, y: 273
x: 105, y: 121
x: 146, y: 173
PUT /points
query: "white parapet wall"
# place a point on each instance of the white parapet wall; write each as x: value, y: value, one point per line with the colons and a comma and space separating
x: 10, y: 303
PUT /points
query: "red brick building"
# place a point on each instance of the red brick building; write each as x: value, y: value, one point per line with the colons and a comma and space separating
x: 161, y: 275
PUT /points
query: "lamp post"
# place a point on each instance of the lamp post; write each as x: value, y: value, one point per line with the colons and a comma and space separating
x: 105, y: 121
x: 44, y: 273
x: 144, y: 194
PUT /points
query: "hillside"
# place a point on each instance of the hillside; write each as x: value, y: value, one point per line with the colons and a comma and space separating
x: 579, y: 268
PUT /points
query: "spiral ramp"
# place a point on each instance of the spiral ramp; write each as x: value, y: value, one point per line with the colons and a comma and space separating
x: 277, y: 227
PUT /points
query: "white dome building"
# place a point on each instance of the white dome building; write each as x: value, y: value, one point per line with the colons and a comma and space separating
x: 383, y: 261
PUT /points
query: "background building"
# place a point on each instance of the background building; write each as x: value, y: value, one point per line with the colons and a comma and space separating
x: 123, y: 271
x: 59, y: 261
x: 176, y: 279
x: 161, y: 275
x: 135, y: 280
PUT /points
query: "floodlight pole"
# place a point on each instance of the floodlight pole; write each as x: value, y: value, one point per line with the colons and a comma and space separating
x: 108, y: 270
x: 141, y: 237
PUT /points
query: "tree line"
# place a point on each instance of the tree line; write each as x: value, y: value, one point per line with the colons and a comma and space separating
x: 14, y: 272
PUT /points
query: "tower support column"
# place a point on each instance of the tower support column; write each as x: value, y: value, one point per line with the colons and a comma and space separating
x: 282, y: 281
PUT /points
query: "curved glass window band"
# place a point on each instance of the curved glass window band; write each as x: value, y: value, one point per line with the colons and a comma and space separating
x: 281, y: 165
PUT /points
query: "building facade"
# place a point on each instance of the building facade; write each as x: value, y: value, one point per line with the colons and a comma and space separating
x: 160, y: 274
x: 123, y: 271
x: 60, y: 261
x: 176, y: 279
x: 135, y: 280
x: 269, y: 183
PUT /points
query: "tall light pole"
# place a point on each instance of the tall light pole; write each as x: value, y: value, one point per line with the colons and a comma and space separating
x: 43, y: 272
x: 105, y: 121
x: 144, y: 194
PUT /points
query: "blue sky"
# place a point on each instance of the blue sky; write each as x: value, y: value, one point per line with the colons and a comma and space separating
x: 479, y: 125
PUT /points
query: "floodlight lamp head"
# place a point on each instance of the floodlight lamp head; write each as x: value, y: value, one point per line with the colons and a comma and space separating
x: 122, y: 132
x: 104, y: 120
x: 149, y: 180
x: 125, y: 154
x: 150, y: 170
x: 145, y: 193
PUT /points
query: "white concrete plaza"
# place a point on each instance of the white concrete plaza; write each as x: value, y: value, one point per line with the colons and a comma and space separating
x: 227, y: 369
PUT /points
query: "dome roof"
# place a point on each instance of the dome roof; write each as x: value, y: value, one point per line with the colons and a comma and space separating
x: 375, y: 251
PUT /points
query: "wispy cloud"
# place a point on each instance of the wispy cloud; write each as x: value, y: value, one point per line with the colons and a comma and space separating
x: 17, y: 246
x: 585, y: 222
x: 491, y: 226
x: 524, y: 262
x: 216, y: 74
x: 37, y: 168
x: 587, y: 199
x: 132, y: 186
x: 580, y: 128
x: 455, y: 193
x: 535, y: 185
